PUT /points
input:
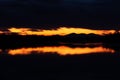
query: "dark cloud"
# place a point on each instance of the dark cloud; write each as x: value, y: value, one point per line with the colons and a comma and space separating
x: 96, y: 14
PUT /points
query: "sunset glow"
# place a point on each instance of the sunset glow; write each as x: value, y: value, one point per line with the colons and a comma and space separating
x: 61, y: 50
x: 1, y: 32
x: 58, y: 31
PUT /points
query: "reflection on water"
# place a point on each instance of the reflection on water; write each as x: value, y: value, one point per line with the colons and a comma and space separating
x: 61, y: 50
x: 0, y: 50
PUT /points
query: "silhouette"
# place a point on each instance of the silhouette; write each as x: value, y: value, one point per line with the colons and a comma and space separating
x: 16, y: 40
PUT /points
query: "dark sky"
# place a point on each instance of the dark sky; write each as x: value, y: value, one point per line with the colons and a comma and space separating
x: 95, y: 14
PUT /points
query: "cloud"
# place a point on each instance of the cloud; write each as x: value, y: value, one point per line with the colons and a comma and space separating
x: 58, y: 31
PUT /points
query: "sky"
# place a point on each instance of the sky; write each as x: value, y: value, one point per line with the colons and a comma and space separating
x: 51, y: 14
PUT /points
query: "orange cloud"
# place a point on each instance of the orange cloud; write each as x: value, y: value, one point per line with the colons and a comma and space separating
x: 59, y: 31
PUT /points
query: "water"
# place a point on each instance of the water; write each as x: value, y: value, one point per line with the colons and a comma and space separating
x: 61, y: 49
x: 67, y: 61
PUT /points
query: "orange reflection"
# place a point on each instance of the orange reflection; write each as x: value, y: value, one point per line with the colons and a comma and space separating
x: 1, y: 32
x: 62, y: 50
x: 0, y: 50
x: 59, y: 31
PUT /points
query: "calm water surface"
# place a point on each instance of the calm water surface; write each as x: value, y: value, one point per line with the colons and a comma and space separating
x: 61, y: 50
x: 63, y: 67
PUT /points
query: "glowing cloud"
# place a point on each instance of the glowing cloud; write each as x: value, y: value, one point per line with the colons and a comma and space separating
x: 59, y: 31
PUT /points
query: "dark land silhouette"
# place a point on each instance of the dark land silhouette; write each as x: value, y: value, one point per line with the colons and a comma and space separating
x: 14, y: 40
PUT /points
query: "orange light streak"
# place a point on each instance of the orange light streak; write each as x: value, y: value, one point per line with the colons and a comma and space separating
x: 61, y: 50
x: 59, y: 31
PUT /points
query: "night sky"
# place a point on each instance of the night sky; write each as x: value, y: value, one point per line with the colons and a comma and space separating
x: 47, y: 14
